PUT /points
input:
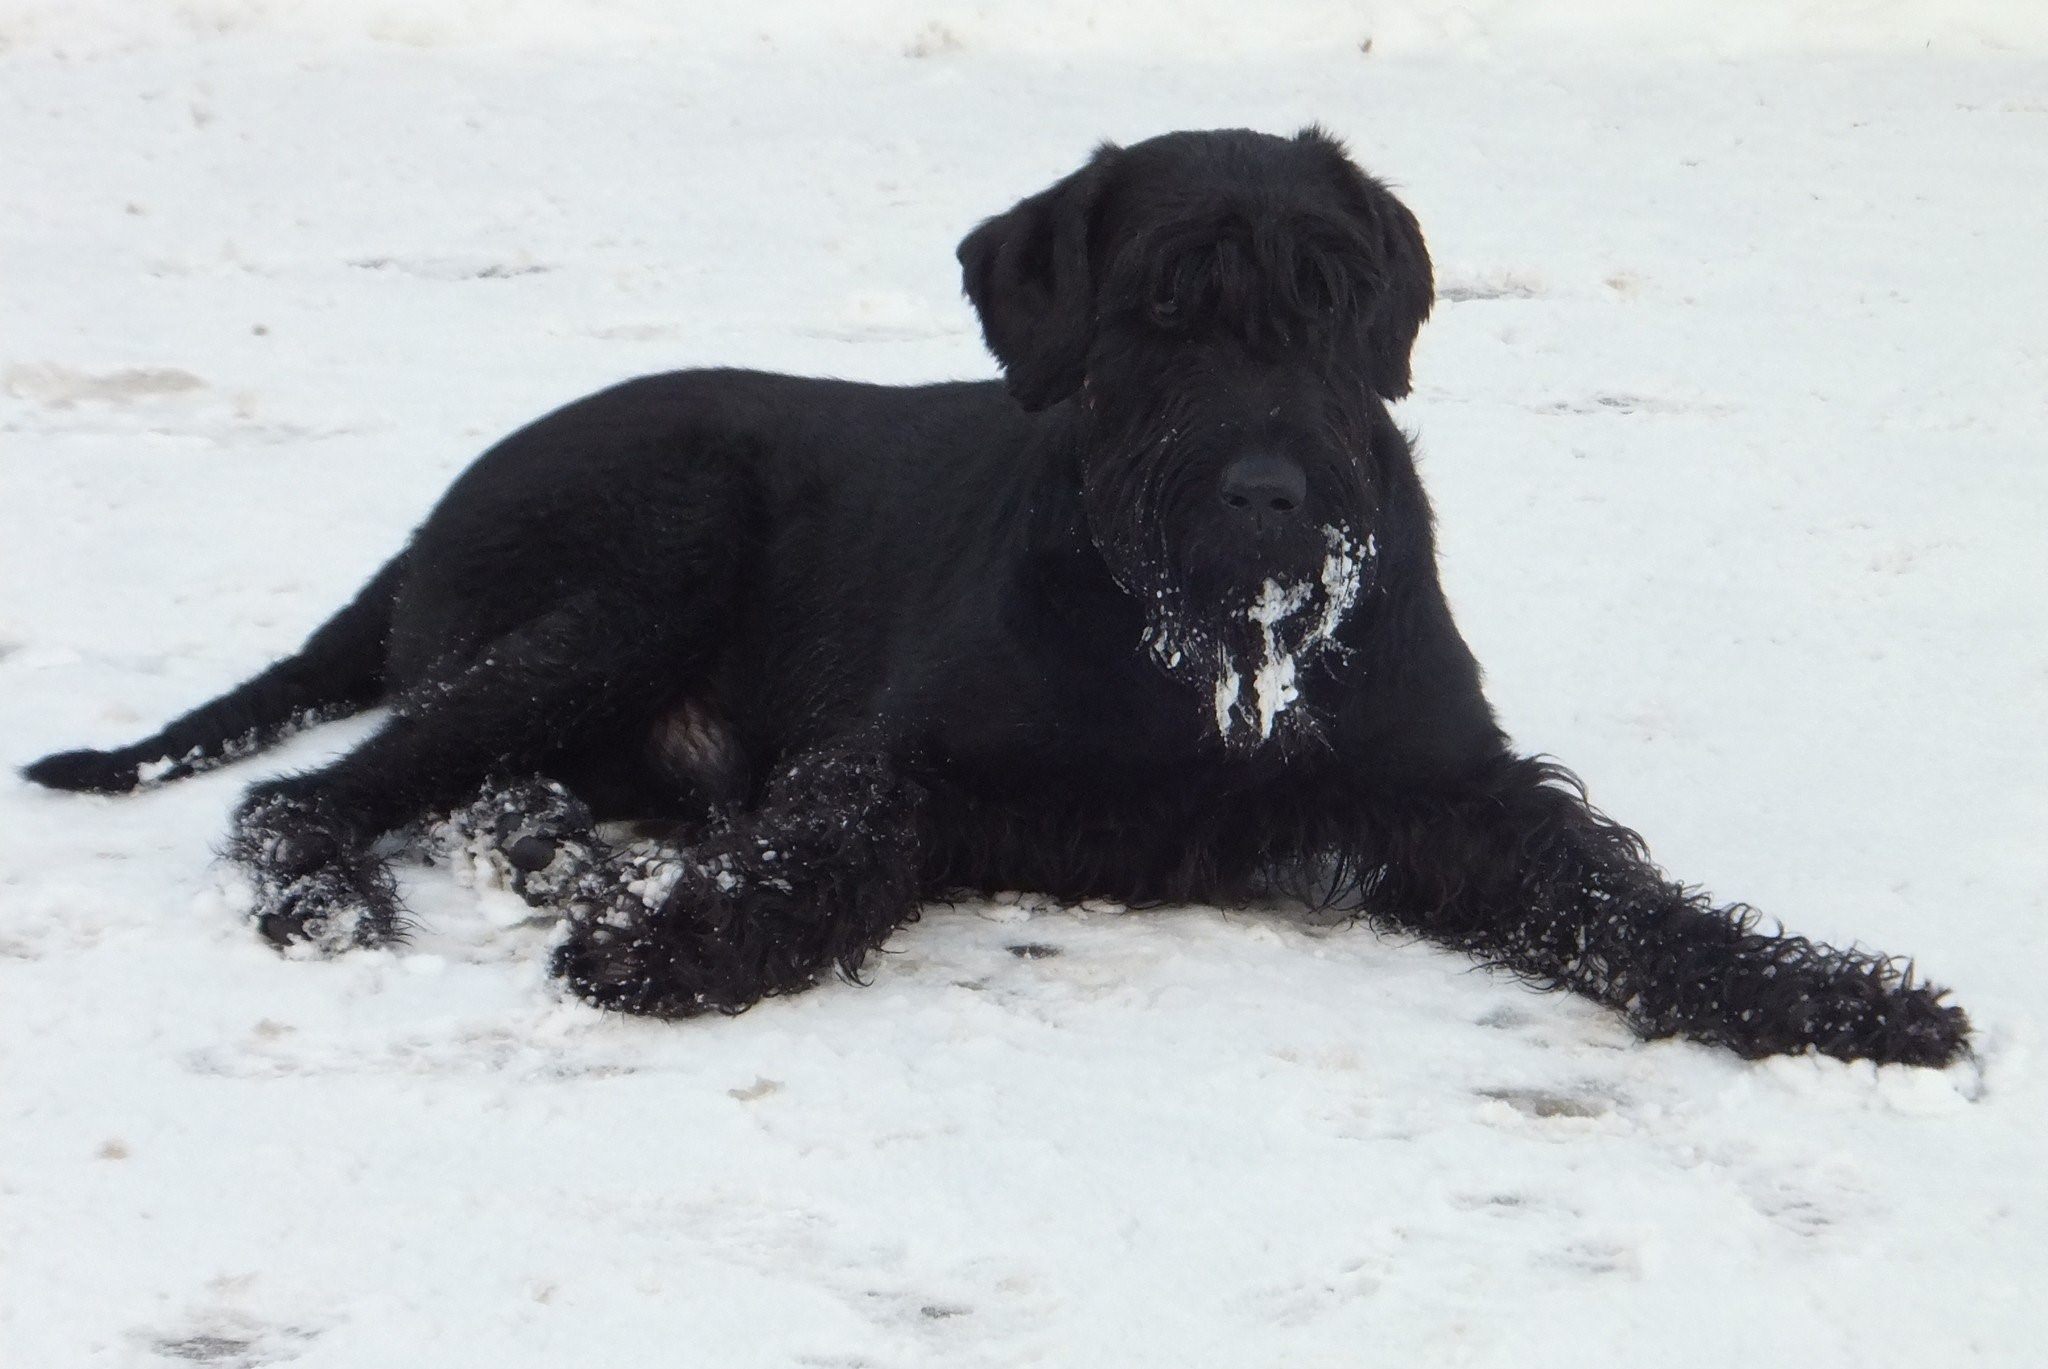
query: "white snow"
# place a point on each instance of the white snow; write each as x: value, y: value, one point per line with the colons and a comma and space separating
x: 1342, y: 578
x: 1272, y: 675
x: 1273, y: 688
x: 1732, y: 413
x: 1229, y: 687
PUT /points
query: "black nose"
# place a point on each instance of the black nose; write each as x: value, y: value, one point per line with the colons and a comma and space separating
x: 1264, y: 486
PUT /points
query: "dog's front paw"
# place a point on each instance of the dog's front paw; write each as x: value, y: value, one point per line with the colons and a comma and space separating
x: 1847, y: 1004
x: 659, y: 941
x: 624, y: 965
x: 1893, y: 1024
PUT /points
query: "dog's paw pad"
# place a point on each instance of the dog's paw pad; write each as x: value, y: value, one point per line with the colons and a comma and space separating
x: 556, y: 872
x: 535, y: 838
x: 531, y: 854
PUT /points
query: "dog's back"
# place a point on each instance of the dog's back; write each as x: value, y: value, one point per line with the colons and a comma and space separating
x: 681, y: 485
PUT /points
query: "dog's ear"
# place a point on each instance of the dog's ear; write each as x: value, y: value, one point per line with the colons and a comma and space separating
x: 1408, y: 290
x: 1028, y: 275
x: 1407, y: 284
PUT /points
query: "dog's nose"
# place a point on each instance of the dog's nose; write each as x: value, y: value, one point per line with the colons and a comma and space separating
x: 1264, y: 486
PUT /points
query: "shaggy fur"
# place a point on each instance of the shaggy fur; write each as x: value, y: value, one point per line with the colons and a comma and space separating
x: 1157, y: 621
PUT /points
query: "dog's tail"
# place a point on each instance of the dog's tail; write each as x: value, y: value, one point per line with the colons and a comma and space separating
x: 339, y: 671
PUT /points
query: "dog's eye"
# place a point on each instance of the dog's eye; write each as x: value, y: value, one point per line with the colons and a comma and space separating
x: 1165, y: 311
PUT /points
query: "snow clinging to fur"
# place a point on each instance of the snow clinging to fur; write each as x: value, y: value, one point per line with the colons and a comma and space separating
x: 1283, y: 644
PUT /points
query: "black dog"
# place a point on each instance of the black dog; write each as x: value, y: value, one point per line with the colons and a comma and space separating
x: 1159, y: 623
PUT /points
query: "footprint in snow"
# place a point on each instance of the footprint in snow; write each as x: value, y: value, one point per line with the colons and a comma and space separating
x: 1613, y: 403
x: 61, y: 387
x: 230, y: 1342
x: 1486, y: 285
x: 1549, y: 1103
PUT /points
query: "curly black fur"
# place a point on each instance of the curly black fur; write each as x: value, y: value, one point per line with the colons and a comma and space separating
x: 811, y: 881
x: 1522, y: 872
x: 1157, y: 620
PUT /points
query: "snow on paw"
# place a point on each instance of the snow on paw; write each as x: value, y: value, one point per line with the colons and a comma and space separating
x: 1856, y: 1006
x: 629, y: 969
x: 534, y: 838
x: 333, y: 909
x: 1917, y: 1028
x: 638, y: 946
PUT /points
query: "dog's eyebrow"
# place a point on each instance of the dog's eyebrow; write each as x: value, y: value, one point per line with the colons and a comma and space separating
x: 1270, y: 275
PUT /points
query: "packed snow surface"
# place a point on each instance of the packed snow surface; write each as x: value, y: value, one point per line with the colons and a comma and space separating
x: 1733, y: 412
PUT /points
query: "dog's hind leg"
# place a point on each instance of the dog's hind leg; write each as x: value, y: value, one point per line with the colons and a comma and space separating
x: 1519, y: 870
x: 340, y: 670
x: 766, y: 903
x: 561, y: 683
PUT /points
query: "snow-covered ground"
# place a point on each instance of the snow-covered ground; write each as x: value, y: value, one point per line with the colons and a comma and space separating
x: 1733, y: 409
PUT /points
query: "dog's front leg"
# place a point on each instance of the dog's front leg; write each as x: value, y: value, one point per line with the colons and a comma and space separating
x: 1518, y: 869
x: 812, y: 880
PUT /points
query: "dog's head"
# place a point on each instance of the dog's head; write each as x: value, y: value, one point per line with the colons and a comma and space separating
x: 1227, y: 312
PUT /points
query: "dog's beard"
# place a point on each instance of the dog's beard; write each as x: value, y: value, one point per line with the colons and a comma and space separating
x: 1246, y: 651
